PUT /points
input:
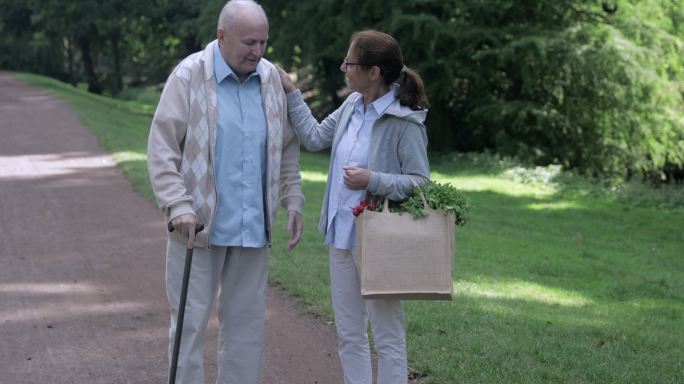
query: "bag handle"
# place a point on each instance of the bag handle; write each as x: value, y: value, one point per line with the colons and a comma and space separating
x: 422, y: 197
x: 385, y: 204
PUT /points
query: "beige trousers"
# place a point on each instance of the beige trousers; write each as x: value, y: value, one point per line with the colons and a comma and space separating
x: 237, y: 279
x: 352, y: 313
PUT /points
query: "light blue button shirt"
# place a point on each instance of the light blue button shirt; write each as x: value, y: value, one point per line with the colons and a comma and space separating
x: 240, y: 159
x: 351, y: 150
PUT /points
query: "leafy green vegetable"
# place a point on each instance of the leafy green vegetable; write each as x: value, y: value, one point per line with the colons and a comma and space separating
x: 438, y: 196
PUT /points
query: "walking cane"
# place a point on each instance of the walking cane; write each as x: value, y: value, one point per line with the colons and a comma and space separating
x: 181, y: 307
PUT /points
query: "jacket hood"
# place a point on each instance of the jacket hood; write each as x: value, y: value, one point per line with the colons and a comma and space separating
x: 404, y: 112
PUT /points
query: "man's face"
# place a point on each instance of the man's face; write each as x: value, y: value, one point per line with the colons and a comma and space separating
x: 243, y: 45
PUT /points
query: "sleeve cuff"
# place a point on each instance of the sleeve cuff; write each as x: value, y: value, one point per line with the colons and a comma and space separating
x: 373, y: 183
x: 294, y: 99
x: 182, y: 208
x: 293, y: 203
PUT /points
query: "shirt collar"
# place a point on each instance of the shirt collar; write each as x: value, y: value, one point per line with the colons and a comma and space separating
x: 223, y: 70
x: 381, y: 103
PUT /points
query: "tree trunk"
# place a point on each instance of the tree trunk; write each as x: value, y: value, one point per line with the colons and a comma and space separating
x: 117, y: 82
x: 88, y: 66
x: 70, y: 61
x: 440, y: 128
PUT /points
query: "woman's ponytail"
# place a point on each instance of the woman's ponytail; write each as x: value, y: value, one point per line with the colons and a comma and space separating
x: 411, y: 92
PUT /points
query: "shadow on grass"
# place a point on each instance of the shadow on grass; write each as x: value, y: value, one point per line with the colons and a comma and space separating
x: 486, y: 339
x: 594, y: 249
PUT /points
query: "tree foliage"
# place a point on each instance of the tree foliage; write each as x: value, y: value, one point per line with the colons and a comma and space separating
x: 579, y: 83
x: 546, y: 81
x: 109, y: 44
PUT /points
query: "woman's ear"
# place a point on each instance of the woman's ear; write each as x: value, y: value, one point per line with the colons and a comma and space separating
x: 375, y: 73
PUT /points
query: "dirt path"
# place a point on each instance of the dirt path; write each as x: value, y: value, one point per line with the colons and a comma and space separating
x: 82, y: 298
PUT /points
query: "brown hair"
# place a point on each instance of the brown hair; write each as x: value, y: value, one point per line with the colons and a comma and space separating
x: 379, y: 49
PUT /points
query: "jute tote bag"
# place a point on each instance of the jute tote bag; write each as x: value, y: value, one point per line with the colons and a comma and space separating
x: 405, y: 258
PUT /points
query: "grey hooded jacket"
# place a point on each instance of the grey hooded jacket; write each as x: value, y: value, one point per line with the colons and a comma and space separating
x: 398, y: 145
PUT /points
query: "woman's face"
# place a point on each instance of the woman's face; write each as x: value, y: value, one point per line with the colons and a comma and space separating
x: 356, y: 75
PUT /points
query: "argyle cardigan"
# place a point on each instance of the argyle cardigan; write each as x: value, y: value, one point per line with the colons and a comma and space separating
x: 180, y: 152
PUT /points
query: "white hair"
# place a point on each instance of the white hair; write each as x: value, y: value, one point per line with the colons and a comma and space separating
x: 232, y: 10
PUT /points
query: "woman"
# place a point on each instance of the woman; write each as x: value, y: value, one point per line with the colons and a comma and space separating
x: 377, y: 138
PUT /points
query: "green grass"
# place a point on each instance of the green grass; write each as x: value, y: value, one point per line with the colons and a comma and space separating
x: 554, y: 282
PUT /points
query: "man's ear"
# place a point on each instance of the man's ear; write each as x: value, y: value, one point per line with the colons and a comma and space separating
x: 220, y: 32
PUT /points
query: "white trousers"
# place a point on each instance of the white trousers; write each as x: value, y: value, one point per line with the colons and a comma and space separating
x: 239, y: 277
x: 351, y: 319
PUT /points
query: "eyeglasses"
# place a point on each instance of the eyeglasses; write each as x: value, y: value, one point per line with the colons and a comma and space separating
x: 347, y: 64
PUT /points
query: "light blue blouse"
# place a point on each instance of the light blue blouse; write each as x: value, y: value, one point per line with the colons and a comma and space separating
x: 351, y: 150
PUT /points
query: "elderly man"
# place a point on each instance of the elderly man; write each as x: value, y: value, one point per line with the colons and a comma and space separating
x: 221, y: 152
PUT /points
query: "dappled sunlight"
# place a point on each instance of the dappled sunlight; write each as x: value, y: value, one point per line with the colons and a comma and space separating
x: 556, y: 205
x: 500, y: 185
x: 546, y: 315
x: 87, y: 295
x: 521, y: 290
x: 60, y: 312
x: 662, y: 309
x: 48, y: 165
x: 123, y: 156
x: 47, y: 289
x: 314, y: 176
